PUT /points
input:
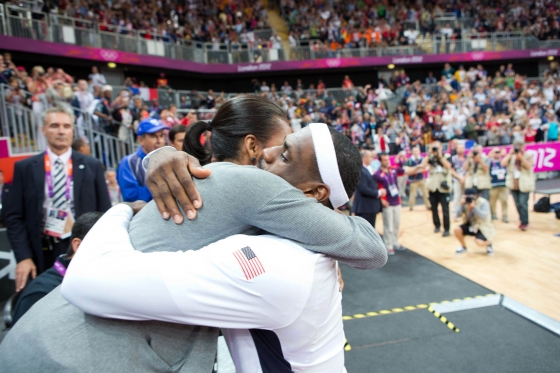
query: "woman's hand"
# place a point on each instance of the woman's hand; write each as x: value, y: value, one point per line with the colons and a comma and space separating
x: 169, y: 179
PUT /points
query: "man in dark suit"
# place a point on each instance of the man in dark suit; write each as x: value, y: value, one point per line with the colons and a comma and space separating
x: 367, y: 202
x: 60, y: 181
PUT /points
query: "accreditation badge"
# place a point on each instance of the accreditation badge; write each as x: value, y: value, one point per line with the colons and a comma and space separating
x: 393, y: 190
x: 59, y: 223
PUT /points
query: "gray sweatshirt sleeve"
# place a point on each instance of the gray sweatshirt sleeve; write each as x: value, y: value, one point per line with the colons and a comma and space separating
x: 288, y: 213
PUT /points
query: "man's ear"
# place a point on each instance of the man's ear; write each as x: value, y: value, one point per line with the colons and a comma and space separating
x: 75, y: 244
x: 317, y: 190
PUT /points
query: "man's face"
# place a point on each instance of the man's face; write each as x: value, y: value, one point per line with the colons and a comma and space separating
x: 461, y: 149
x: 85, y: 149
x: 82, y: 84
x: 59, y: 131
x: 292, y: 160
x: 107, y: 94
x: 177, y: 143
x: 416, y: 152
x: 137, y: 103
x: 384, y: 161
x: 111, y: 177
x: 152, y: 141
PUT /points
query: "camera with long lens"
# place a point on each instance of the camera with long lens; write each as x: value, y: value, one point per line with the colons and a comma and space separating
x: 434, y: 157
x: 475, y: 153
x: 469, y: 200
x: 517, y: 149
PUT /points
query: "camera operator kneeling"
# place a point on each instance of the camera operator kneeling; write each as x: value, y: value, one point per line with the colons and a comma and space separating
x: 477, y: 222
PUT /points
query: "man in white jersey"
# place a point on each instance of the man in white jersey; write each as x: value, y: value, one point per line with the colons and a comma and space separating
x: 279, y: 304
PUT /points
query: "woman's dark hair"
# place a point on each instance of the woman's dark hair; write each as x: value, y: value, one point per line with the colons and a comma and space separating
x: 175, y: 130
x: 237, y: 118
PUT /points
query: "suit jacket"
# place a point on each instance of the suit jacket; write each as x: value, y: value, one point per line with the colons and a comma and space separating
x: 366, y: 199
x: 5, y: 189
x: 24, y: 211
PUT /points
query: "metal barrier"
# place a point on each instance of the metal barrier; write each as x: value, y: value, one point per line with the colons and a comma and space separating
x: 3, y: 29
x: 22, y: 125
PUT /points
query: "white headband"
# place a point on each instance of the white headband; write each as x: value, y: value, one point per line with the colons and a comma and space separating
x: 328, y: 167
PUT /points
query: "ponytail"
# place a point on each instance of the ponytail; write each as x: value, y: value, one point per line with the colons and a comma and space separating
x: 192, y: 144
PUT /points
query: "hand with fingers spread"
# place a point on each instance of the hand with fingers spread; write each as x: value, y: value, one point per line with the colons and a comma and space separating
x: 169, y: 179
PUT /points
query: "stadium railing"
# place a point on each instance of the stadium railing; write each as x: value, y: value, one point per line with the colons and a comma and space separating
x: 21, y: 125
x: 23, y: 22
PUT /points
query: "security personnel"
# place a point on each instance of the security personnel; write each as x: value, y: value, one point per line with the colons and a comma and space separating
x: 439, y: 186
x: 477, y: 167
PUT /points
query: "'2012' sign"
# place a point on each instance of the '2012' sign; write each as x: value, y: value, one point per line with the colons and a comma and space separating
x: 545, y: 159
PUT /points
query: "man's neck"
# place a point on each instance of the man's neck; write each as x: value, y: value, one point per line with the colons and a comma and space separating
x: 59, y: 152
x: 384, y: 169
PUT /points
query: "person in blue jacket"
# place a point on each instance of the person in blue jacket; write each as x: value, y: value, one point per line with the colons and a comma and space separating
x: 130, y: 173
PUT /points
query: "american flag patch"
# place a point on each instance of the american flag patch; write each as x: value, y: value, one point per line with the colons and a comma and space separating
x: 249, y: 262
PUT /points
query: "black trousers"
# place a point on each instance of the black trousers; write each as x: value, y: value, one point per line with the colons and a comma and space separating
x: 443, y: 199
x: 370, y: 217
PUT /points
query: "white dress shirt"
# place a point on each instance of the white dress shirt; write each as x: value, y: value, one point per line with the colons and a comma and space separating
x: 65, y: 158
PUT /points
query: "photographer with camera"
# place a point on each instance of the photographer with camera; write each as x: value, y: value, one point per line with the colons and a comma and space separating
x: 520, y: 179
x: 477, y: 167
x: 477, y: 222
x: 457, y: 162
x: 439, y: 185
x: 499, y: 191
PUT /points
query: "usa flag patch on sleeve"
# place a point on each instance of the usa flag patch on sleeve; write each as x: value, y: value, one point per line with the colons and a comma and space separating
x: 249, y: 262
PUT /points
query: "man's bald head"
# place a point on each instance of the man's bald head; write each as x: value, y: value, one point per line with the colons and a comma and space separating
x: 296, y: 162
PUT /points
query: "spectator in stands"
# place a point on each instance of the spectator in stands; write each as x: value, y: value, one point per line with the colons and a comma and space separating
x: 84, y: 99
x: 37, y: 85
x: 97, y: 79
x: 130, y: 173
x: 103, y: 111
x: 115, y: 194
x: 52, y: 277
x: 189, y: 118
x: 81, y: 146
x: 58, y: 182
x: 520, y: 179
x: 137, y: 105
x: 162, y: 82
x: 123, y: 117
x: 177, y: 136
x: 477, y: 222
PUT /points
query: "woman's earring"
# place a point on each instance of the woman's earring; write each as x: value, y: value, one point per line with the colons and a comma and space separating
x: 254, y: 161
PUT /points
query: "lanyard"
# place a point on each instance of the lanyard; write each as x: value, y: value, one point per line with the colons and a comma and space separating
x: 60, y: 268
x: 49, y: 177
x: 389, y: 178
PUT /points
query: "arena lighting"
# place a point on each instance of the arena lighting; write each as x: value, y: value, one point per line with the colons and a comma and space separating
x: 550, y: 58
x: 112, y: 65
x: 391, y: 66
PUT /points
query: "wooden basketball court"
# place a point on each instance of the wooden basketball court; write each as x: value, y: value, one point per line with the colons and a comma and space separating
x: 525, y: 265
